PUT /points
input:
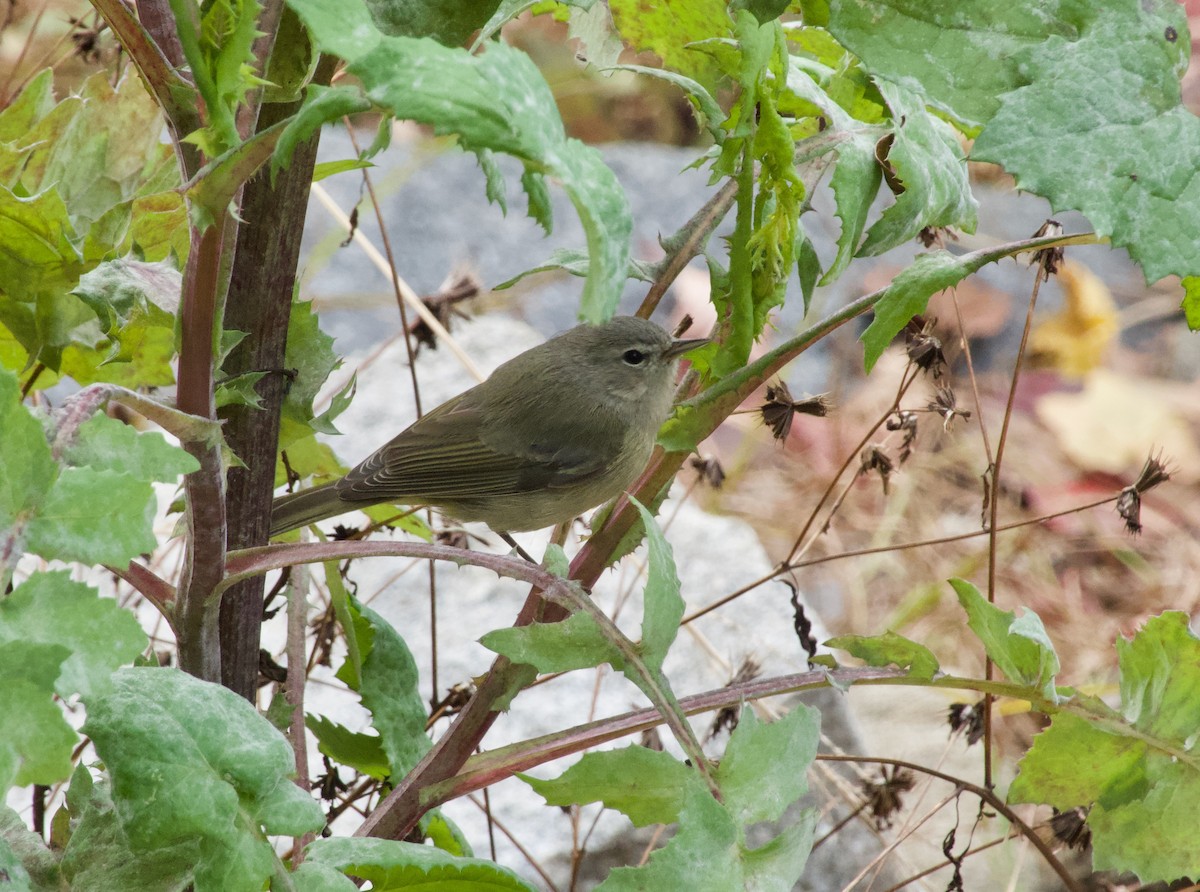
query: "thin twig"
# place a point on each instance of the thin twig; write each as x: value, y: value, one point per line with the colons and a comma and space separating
x: 297, y: 675
x: 994, y: 505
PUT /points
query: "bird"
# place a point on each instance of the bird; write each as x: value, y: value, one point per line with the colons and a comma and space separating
x: 553, y: 432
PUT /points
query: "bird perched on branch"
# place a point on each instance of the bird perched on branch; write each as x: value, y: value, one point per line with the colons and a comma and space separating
x: 553, y: 432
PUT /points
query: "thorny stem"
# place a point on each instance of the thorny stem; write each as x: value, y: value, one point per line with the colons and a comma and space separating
x: 994, y: 506
x: 696, y: 233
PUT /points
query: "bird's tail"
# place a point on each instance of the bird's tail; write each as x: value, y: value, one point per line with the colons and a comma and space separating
x: 307, y: 506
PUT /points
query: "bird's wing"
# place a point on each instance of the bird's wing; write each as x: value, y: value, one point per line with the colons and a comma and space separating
x: 442, y: 457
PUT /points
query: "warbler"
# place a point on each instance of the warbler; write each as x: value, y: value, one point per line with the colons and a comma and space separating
x: 553, y: 432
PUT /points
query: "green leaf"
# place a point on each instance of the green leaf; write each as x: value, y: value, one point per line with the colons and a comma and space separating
x: 1191, y: 301
x: 709, y: 110
x: 388, y: 864
x: 133, y: 301
x: 309, y: 354
x: 388, y: 688
x: 497, y: 101
x: 83, y: 501
x: 756, y: 783
x: 1020, y: 647
x: 576, y: 263
x: 322, y: 105
x: 165, y: 739
x: 909, y: 294
x: 25, y: 858
x: 667, y: 28
x: 27, y: 468
x: 99, y: 857
x: 104, y: 443
x: 362, y: 752
x: 1141, y: 793
x: 663, y: 605
x: 930, y: 165
x: 1099, y: 127
x: 647, y: 786
x: 444, y: 833
x: 889, y: 649
x: 106, y: 152
x: 447, y: 21
x: 35, y: 739
x: 50, y: 608
x: 573, y: 643
x: 329, y: 168
x: 926, y: 48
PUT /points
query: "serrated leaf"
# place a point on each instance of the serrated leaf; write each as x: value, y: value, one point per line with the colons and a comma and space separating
x: 130, y: 296
x: 889, y: 649
x: 932, y: 168
x: 309, y: 353
x: 756, y: 783
x: 909, y: 294
x: 668, y: 28
x: 99, y: 857
x: 926, y: 49
x: 573, y: 643
x: 362, y: 752
x: 1140, y: 793
x: 25, y: 858
x: 165, y: 739
x: 50, y: 608
x: 35, y: 739
x: 663, y: 605
x: 103, y: 443
x: 701, y: 856
x: 1020, y: 646
x: 647, y: 786
x: 388, y: 864
x: 1099, y: 126
x: 496, y: 101
x: 388, y: 688
x: 83, y: 501
x: 27, y: 468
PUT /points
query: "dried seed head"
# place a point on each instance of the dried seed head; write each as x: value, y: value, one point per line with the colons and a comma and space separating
x: 873, y: 458
x: 923, y: 348
x: 1070, y: 827
x: 1129, y: 502
x: 444, y: 307
x: 710, y: 470
x: 885, y: 796
x: 945, y: 403
x: 1047, y: 259
x: 906, y: 421
x: 968, y: 718
x: 781, y: 407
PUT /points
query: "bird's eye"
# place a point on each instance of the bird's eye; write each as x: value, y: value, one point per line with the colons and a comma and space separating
x: 633, y: 357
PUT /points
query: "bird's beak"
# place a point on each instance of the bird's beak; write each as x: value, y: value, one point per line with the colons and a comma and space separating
x: 684, y: 345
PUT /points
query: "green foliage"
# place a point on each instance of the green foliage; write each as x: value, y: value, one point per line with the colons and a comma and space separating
x: 496, y: 101
x: 889, y: 649
x: 165, y: 741
x: 1135, y: 768
x: 1020, y: 646
x: 1079, y: 101
x: 388, y: 864
x: 386, y: 679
